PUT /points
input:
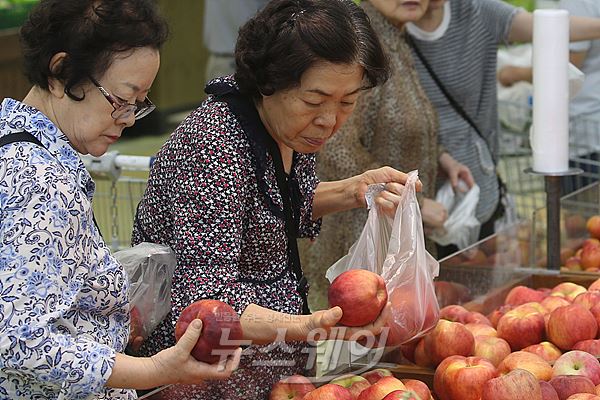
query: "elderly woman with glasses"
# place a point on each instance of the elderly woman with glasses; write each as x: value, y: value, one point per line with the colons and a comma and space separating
x: 235, y: 184
x: 64, y: 310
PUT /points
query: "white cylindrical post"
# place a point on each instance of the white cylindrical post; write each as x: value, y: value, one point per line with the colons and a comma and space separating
x: 550, y: 131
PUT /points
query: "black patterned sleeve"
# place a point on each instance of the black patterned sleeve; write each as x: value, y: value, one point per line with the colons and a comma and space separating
x: 194, y: 203
x: 308, y: 182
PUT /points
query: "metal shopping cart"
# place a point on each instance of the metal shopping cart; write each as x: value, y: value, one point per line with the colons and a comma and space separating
x: 120, y: 184
x: 515, y: 156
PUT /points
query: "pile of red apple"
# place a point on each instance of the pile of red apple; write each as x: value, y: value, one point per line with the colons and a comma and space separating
x: 541, y: 344
x: 587, y: 256
x: 509, y: 248
x: 581, y: 251
x: 377, y: 384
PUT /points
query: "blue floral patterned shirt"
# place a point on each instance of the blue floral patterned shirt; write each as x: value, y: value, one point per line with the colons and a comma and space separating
x: 63, y: 297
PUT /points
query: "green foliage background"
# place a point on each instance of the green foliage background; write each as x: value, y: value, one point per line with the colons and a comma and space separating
x: 14, y: 12
x: 526, y: 4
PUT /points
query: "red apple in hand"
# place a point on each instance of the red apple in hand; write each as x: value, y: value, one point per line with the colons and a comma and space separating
x: 354, y: 383
x: 294, y: 387
x: 462, y: 378
x: 221, y: 329
x: 329, y: 392
x: 361, y: 295
x: 516, y: 385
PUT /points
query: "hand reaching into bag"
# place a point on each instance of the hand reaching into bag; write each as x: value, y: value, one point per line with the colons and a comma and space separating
x: 350, y: 193
x: 434, y: 214
x: 456, y: 172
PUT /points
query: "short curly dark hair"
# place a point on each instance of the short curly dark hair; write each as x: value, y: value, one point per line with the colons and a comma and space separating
x: 287, y: 37
x: 91, y: 32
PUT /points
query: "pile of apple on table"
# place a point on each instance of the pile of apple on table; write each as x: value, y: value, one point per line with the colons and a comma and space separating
x: 360, y: 308
x: 585, y: 256
x: 541, y: 344
x: 377, y: 384
x: 580, y: 252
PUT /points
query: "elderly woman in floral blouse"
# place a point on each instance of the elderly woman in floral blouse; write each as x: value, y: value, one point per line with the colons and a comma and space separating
x: 235, y: 185
x: 64, y: 311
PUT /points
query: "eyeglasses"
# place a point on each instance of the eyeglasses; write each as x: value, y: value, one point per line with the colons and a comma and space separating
x: 124, y: 110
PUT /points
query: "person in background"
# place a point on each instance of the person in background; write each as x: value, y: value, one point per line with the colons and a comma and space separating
x: 393, y: 124
x: 457, y: 42
x: 222, y: 20
x: 64, y: 308
x: 235, y: 184
x: 584, y: 108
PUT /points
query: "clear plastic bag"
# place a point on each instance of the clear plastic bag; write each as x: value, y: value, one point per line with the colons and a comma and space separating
x: 150, y: 268
x: 462, y: 227
x: 395, y: 249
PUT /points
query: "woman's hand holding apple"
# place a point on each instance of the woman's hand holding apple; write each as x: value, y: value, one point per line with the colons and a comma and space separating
x: 324, y: 324
x: 177, y: 365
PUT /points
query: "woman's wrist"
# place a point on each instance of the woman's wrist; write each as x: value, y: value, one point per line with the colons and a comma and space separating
x: 262, y: 325
x: 356, y: 191
x: 337, y: 196
x: 138, y: 373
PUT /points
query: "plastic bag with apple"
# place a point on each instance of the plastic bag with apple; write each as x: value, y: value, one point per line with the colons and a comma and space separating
x: 395, y: 249
x: 150, y: 269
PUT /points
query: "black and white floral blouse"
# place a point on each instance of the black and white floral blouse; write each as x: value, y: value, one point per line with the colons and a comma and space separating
x: 64, y: 309
x: 212, y: 197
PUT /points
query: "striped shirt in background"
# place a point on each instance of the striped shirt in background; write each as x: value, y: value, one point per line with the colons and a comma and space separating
x: 462, y: 52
